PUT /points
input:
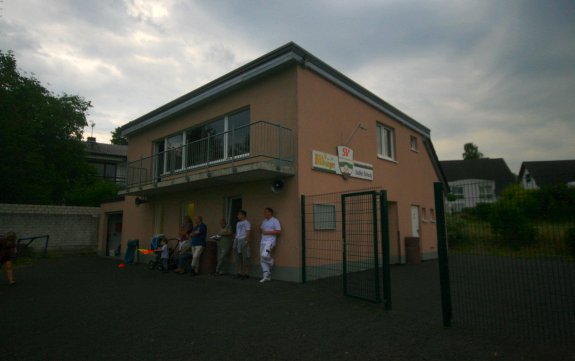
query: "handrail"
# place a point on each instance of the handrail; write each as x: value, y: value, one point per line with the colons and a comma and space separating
x: 258, y: 139
x: 32, y: 239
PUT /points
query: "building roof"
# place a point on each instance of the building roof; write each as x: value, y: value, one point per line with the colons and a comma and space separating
x: 286, y: 55
x: 485, y: 168
x: 550, y: 172
x: 102, y: 149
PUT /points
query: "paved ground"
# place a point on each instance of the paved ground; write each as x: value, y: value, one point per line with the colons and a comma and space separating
x: 85, y: 308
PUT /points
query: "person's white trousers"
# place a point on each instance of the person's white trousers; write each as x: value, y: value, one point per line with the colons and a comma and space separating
x: 266, y: 260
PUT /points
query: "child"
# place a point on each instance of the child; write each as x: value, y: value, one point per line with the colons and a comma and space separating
x: 164, y: 254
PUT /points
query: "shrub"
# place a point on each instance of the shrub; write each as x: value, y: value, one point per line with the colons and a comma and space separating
x: 512, y: 225
x: 570, y: 239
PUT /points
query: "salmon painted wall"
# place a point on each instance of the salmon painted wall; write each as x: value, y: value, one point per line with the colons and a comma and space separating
x: 327, y: 117
x: 272, y: 98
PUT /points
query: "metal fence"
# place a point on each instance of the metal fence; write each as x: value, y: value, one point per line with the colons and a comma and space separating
x: 345, y: 243
x: 511, y: 262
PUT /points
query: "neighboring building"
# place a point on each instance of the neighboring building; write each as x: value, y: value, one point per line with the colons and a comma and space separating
x: 274, y: 123
x: 474, y: 181
x: 536, y: 175
x: 108, y: 159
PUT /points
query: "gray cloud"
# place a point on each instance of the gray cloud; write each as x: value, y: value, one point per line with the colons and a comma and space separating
x: 499, y: 74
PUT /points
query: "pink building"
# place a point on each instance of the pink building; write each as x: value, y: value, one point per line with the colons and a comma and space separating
x: 280, y: 118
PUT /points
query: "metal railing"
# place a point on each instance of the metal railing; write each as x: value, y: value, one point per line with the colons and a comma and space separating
x: 261, y: 141
x: 23, y: 243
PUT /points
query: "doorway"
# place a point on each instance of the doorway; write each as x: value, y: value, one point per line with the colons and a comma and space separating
x: 234, y: 205
x: 114, y: 234
x: 415, y: 221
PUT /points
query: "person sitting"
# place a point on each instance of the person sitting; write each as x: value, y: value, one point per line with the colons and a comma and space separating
x: 183, y: 256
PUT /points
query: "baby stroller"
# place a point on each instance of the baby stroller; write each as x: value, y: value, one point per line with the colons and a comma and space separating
x: 156, y: 263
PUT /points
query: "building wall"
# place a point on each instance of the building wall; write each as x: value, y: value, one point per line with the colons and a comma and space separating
x: 322, y: 117
x: 71, y: 229
x: 327, y: 117
x: 272, y: 99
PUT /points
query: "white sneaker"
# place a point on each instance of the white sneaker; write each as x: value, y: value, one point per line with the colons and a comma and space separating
x: 265, y: 279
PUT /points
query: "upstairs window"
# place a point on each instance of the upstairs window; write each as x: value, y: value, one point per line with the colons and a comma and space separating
x: 413, y: 143
x: 385, y: 142
x: 457, y: 192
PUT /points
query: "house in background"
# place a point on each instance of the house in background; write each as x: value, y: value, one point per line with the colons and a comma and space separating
x: 284, y: 125
x: 539, y: 174
x: 474, y: 181
x: 108, y: 159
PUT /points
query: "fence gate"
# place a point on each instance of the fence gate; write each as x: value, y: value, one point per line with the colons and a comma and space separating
x: 345, y: 241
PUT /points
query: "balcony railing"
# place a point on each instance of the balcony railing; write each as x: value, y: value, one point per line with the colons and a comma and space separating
x: 259, y: 142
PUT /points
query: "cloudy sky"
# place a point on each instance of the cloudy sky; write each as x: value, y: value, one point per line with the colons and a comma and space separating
x: 498, y: 73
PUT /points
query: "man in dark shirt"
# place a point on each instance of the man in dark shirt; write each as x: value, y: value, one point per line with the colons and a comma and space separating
x: 198, y: 243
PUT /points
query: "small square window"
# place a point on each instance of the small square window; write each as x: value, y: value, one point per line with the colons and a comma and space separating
x: 324, y: 217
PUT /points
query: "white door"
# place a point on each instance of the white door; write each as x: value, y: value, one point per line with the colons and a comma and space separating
x: 414, y: 221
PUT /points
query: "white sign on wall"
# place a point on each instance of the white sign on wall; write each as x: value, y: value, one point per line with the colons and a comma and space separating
x: 329, y: 163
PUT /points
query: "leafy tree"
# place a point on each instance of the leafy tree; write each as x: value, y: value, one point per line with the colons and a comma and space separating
x: 117, y: 137
x: 40, y: 139
x: 471, y: 151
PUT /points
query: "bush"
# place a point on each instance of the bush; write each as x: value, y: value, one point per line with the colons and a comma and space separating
x: 570, y: 239
x: 455, y: 230
x: 512, y: 225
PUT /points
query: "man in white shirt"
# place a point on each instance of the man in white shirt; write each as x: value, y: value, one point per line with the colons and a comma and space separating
x: 241, y: 246
x: 270, y: 229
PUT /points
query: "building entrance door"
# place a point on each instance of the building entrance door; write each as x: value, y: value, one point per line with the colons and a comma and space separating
x: 415, y: 221
x: 114, y: 234
x: 234, y: 206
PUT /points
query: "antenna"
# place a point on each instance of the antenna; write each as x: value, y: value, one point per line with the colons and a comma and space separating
x: 92, y: 125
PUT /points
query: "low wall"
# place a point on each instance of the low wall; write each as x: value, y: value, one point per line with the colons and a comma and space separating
x: 71, y: 229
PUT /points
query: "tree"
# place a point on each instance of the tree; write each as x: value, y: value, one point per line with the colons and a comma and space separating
x: 117, y: 137
x: 471, y: 152
x: 40, y: 139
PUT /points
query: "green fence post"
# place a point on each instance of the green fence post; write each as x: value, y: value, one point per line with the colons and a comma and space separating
x: 344, y: 245
x: 375, y: 246
x: 385, y: 250
x: 303, y: 255
x: 442, y: 254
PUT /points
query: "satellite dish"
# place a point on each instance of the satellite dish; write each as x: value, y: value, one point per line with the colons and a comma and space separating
x: 277, y: 186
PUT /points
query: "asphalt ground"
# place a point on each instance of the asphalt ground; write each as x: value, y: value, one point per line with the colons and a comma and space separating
x: 86, y: 308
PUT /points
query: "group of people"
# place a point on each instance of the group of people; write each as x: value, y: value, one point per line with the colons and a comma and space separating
x: 192, y: 242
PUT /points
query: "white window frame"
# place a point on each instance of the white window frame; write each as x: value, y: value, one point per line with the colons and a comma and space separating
x: 321, y: 223
x: 413, y: 143
x: 184, y: 147
x: 384, y: 134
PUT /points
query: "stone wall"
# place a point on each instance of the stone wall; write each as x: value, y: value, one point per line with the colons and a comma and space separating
x: 71, y: 229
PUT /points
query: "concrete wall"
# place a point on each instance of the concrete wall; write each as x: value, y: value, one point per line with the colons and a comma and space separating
x: 70, y: 229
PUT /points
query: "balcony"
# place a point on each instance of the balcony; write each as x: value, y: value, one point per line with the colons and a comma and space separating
x: 257, y: 151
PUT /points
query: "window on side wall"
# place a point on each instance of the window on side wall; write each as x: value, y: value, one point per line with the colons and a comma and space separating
x: 413, y: 143
x: 424, y: 214
x: 432, y: 215
x: 324, y: 217
x: 385, y: 142
x: 486, y: 192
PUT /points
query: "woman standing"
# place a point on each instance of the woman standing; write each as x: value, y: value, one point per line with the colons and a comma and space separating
x: 7, y: 254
